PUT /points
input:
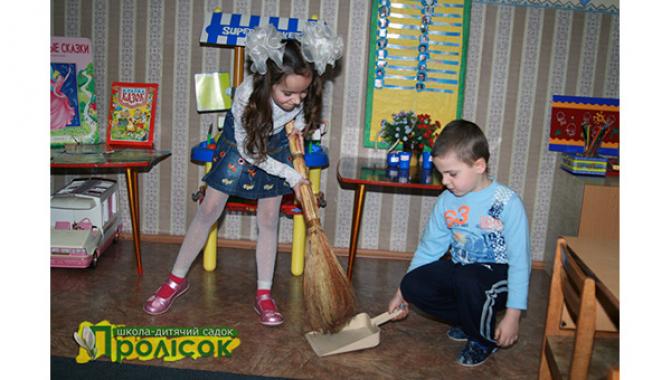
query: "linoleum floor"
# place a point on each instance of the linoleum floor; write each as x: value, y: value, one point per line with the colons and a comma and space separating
x: 416, y: 348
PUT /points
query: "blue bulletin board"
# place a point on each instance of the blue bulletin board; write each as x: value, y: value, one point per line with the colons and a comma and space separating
x: 417, y: 61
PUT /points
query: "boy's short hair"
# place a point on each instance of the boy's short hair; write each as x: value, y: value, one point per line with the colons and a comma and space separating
x: 465, y: 139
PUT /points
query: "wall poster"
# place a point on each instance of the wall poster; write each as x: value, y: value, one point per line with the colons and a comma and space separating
x: 418, y: 51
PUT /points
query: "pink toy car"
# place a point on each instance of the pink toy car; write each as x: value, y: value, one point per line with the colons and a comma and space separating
x: 84, y: 222
x: 75, y: 248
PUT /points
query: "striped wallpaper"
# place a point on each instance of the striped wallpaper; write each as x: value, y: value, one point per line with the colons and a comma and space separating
x: 518, y: 58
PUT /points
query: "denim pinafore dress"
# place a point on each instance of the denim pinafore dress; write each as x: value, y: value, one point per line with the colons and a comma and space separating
x: 231, y: 174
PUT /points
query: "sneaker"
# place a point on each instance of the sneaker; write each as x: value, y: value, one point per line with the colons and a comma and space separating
x: 456, y: 333
x: 475, y: 353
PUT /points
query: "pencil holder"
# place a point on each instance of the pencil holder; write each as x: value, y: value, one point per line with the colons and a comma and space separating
x: 578, y: 164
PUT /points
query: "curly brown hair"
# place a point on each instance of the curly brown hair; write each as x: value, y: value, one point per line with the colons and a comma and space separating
x: 257, y: 118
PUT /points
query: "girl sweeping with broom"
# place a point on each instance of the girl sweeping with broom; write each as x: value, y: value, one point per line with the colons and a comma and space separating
x: 252, y: 158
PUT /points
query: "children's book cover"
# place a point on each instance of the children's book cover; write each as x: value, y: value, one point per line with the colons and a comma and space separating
x: 132, y: 112
x: 74, y: 116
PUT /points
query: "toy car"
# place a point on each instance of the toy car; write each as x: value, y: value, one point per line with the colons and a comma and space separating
x: 84, y: 222
x: 75, y: 248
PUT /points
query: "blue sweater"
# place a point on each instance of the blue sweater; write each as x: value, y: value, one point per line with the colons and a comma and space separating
x: 486, y: 226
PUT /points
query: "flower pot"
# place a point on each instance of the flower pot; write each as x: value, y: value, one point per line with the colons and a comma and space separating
x: 426, y: 160
x: 393, y: 159
x: 426, y: 176
x: 405, y: 158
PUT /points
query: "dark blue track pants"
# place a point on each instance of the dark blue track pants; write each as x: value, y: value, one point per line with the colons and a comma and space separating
x: 467, y: 296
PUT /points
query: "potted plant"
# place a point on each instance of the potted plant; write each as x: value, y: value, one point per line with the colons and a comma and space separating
x: 410, y: 133
x: 423, y: 138
x: 398, y: 134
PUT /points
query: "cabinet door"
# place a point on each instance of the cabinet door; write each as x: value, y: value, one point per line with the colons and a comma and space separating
x: 600, y: 212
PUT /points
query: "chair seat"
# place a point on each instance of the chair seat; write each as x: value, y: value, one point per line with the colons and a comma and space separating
x: 288, y: 207
x: 605, y: 355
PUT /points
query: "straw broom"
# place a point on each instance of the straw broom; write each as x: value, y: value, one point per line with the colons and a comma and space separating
x: 329, y: 298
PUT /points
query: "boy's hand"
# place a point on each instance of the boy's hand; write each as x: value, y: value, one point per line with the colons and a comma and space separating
x: 507, y: 332
x: 398, y: 302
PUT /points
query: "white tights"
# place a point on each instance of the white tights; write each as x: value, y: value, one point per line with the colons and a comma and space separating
x: 267, y: 221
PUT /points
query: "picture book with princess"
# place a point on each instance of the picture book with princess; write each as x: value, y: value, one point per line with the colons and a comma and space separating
x: 74, y: 117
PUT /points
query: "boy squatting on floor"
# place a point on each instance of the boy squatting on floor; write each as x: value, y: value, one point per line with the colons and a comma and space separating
x: 484, y: 225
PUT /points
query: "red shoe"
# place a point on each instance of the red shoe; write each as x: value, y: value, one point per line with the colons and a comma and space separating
x: 156, y: 305
x: 269, y: 316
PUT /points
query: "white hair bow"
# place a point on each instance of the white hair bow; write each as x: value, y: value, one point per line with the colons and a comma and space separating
x: 262, y: 43
x: 320, y: 45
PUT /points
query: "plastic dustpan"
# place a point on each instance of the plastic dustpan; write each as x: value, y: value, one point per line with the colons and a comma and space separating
x: 360, y: 333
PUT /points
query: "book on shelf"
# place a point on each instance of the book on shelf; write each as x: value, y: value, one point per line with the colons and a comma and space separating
x: 74, y: 116
x: 132, y: 114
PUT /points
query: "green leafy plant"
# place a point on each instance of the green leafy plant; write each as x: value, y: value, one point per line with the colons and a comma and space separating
x: 399, y: 130
x: 415, y: 132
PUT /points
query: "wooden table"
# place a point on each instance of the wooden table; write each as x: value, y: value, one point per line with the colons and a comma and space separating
x: 601, y: 256
x: 100, y: 159
x: 363, y: 174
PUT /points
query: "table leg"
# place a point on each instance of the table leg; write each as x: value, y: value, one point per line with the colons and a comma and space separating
x: 134, y: 203
x: 359, y: 202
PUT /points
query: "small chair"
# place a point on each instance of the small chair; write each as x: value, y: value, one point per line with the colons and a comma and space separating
x: 580, y: 352
x: 315, y: 158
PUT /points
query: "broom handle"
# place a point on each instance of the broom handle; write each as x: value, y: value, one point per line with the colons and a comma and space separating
x: 309, y: 205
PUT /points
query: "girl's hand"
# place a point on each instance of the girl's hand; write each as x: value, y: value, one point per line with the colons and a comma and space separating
x: 296, y: 188
x: 507, y: 332
x: 399, y: 302
x: 301, y: 139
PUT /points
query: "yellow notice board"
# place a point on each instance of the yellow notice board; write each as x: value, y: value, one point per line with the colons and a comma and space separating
x: 418, y: 50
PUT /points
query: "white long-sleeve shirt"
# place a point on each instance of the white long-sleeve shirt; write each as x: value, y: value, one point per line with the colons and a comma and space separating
x: 279, y: 118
